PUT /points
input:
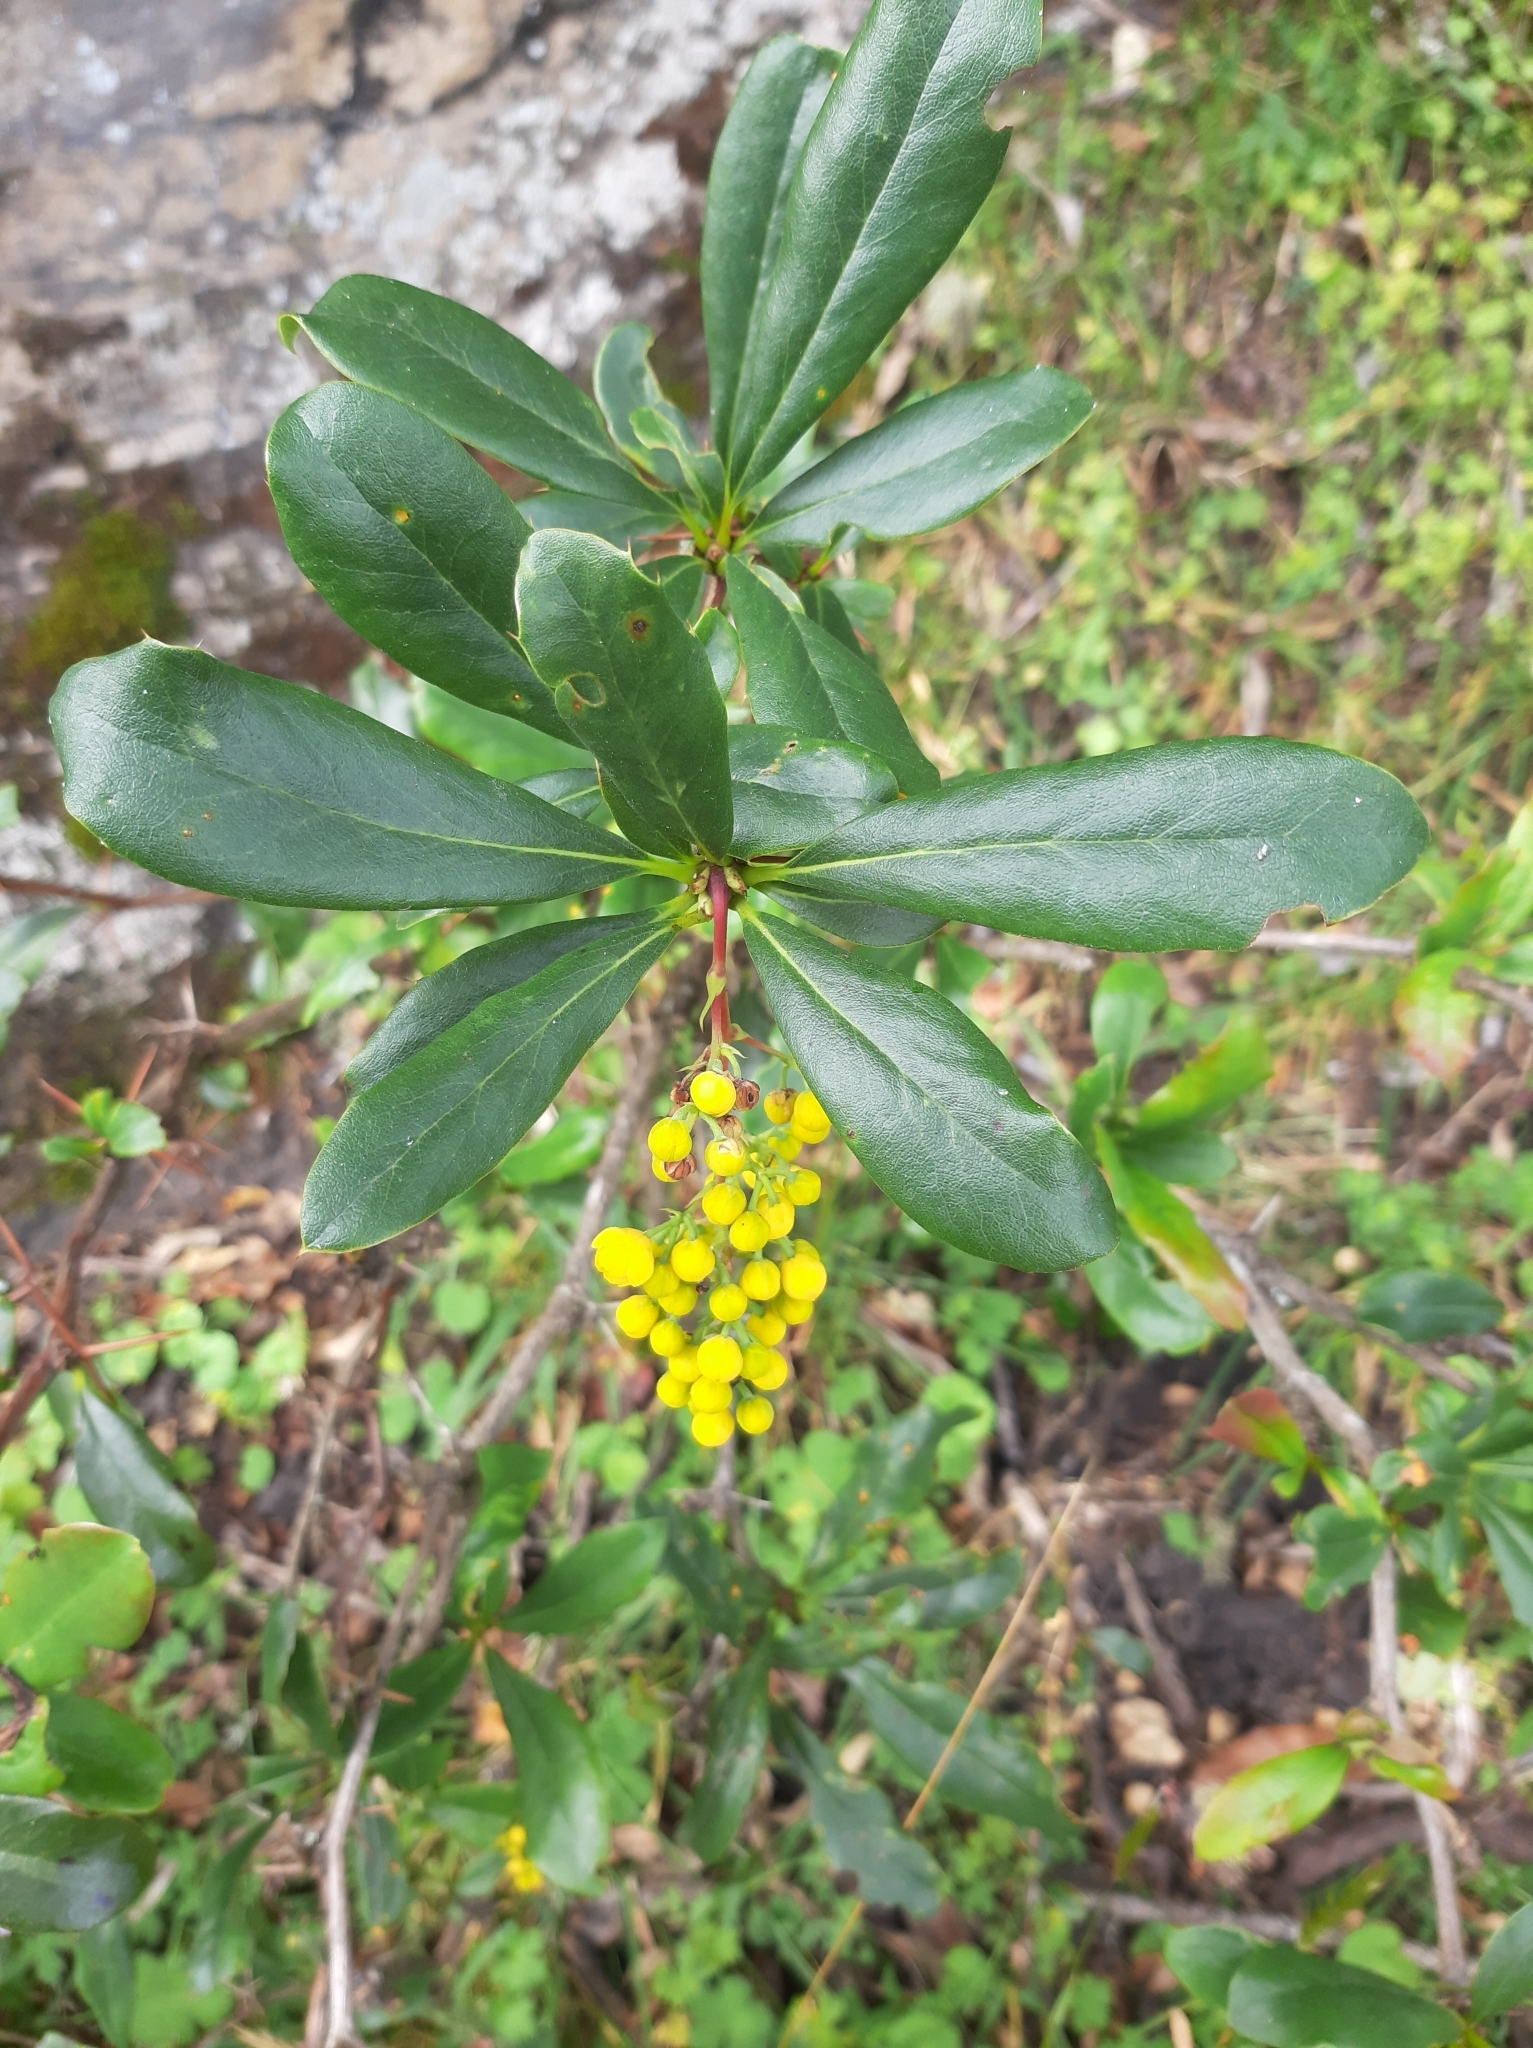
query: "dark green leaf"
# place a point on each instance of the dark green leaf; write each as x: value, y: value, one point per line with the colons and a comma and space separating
x: 599, y: 1575
x: 931, y: 462
x: 1183, y: 1155
x: 130, y: 1485
x: 108, y: 1760
x: 1160, y: 848
x: 1127, y: 1001
x: 624, y: 384
x: 798, y: 675
x: 1272, y: 1799
x: 439, y: 1001
x: 409, y: 540
x: 236, y: 783
x: 576, y: 790
x: 61, y: 1872
x: 858, y: 1825
x: 1236, y: 1062
x: 449, y: 1113
x: 564, y: 1806
x: 1504, y: 1979
x: 891, y: 1475
x: 80, y: 1588
x: 507, y: 748
x: 1347, y: 1547
x: 1284, y: 1998
x: 753, y: 165
x: 721, y: 643
x: 619, y: 523
x: 990, y: 1772
x: 1205, y: 1959
x: 865, y: 924
x: 682, y: 577
x: 1157, y: 1314
x: 930, y: 1596
x: 790, y: 788
x: 1423, y: 1306
x: 931, y: 1107
x: 104, y: 1978
x: 633, y: 685
x: 737, y: 1733
x: 213, y: 1960
x: 728, y: 1594
x: 303, y: 1694
x: 475, y: 380
x: 428, y: 1684
x: 822, y: 604
x: 1436, y: 1623
x: 892, y: 172
x: 377, y: 1862
x: 1510, y: 1536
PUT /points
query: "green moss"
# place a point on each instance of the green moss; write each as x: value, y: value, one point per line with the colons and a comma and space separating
x: 109, y: 588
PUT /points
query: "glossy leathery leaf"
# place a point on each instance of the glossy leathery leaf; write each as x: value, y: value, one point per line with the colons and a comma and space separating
x: 576, y: 790
x: 721, y: 643
x: 1164, y: 1222
x: 476, y: 381
x: 440, y: 1000
x: 737, y: 1734
x: 633, y: 685
x: 931, y: 1107
x: 578, y: 513
x: 1160, y: 848
x: 728, y: 1594
x: 109, y: 1761
x: 600, y: 1574
x: 791, y: 788
x: 662, y: 431
x: 874, y: 925
x: 79, y: 1588
x: 798, y: 675
x: 426, y: 1686
x: 130, y: 1485
x: 1213, y: 1080
x: 245, y: 786
x: 1424, y: 1306
x: 1157, y: 1314
x: 409, y: 540
x: 61, y: 1872
x: 564, y: 1805
x: 893, y: 170
x: 1206, y: 1958
x: 754, y: 160
x: 990, y: 1772
x: 1504, y: 1979
x: 857, y: 1825
x: 448, y: 1114
x: 624, y: 383
x: 1272, y: 1799
x: 1285, y: 1998
x: 682, y: 577
x: 931, y: 462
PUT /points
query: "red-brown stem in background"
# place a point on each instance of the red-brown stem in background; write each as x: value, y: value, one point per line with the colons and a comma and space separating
x: 718, y: 896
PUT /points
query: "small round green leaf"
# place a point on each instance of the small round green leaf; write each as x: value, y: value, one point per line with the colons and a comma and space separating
x: 1274, y: 1798
x: 81, y: 1588
x: 109, y: 1761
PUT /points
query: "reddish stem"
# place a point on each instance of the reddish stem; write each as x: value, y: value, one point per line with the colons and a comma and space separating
x: 718, y: 896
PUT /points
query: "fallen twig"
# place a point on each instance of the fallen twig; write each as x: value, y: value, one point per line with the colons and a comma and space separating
x: 1168, y: 1671
x: 1137, y: 1912
x: 104, y: 899
x: 1497, y: 1095
x: 1517, y: 1000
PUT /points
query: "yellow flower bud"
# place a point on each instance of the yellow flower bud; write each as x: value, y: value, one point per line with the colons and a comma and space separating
x: 809, y: 1120
x: 713, y: 1093
x: 708, y: 1397
x: 724, y: 1156
x: 719, y: 1359
x: 748, y: 1233
x: 728, y: 1303
x: 778, y: 1217
x: 795, y: 1312
x: 778, y: 1105
x: 713, y: 1431
x: 661, y: 1282
x: 786, y: 1146
x: 804, y: 1187
x: 624, y: 1258
x: 754, y: 1416
x: 684, y: 1365
x: 803, y: 1279
x: 670, y: 1390
x: 637, y: 1316
x: 722, y: 1204
x: 760, y: 1280
x: 666, y: 1339
x: 764, y: 1368
x: 669, y: 1139
x: 767, y: 1328
x: 680, y: 1301
x: 692, y: 1260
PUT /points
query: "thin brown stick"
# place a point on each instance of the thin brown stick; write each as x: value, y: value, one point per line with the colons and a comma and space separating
x: 1168, y: 1671
x: 104, y: 899
x: 1496, y: 1096
x: 1517, y: 1000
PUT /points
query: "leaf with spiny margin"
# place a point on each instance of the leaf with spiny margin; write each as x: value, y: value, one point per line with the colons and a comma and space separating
x: 233, y: 782
x: 931, y: 462
x: 633, y: 684
x: 791, y: 788
x: 931, y: 1107
x: 476, y: 381
x: 448, y: 1114
x: 1162, y: 848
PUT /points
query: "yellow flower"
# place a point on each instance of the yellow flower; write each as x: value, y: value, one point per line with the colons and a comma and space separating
x: 778, y: 1218
x: 724, y: 1156
x: 803, y: 1278
x: 666, y: 1339
x: 765, y: 1368
x: 804, y: 1187
x: 754, y: 1416
x: 748, y: 1233
x: 669, y: 1139
x: 728, y: 1303
x: 809, y: 1120
x: 722, y: 1204
x: 692, y: 1260
x: 767, y: 1328
x: 713, y: 1430
x: 713, y: 1093
x: 708, y: 1397
x: 760, y: 1280
x: 719, y: 1359
x: 670, y: 1390
x: 778, y: 1105
x: 794, y: 1312
x: 637, y: 1316
x: 624, y: 1258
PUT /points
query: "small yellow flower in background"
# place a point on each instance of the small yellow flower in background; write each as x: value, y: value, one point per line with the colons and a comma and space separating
x: 522, y: 1873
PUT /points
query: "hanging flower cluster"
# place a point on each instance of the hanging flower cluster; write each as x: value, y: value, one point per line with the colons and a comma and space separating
x: 718, y: 1285
x: 521, y: 1873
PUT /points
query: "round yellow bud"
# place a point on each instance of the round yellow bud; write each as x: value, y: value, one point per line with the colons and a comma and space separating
x: 692, y: 1260
x: 764, y: 1368
x: 804, y: 1187
x: 637, y: 1316
x: 718, y: 1358
x: 748, y: 1233
x: 767, y: 1328
x: 809, y: 1120
x: 778, y: 1105
x: 624, y: 1258
x: 724, y: 1156
x: 684, y: 1365
x: 708, y: 1397
x: 713, y: 1431
x: 778, y: 1217
x: 802, y: 1279
x: 661, y: 1282
x: 728, y: 1303
x: 795, y: 1312
x: 713, y: 1093
x: 669, y: 1139
x: 754, y: 1416
x: 670, y: 1390
x: 760, y: 1280
x: 666, y: 1339
x: 680, y: 1301
x: 786, y: 1146
x: 722, y: 1204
